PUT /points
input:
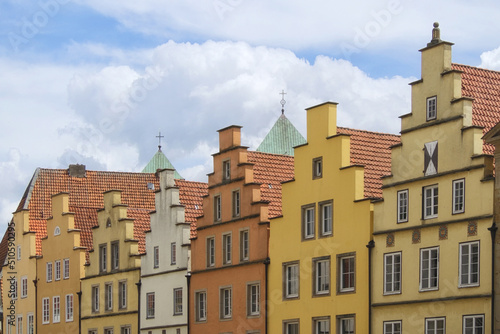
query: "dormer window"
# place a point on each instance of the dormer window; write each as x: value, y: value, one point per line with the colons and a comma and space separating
x: 431, y: 108
x: 57, y: 231
x: 226, y: 170
x: 317, y: 168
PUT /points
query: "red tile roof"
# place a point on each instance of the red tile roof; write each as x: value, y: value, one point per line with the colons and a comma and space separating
x: 372, y: 150
x: 191, y: 196
x: 484, y: 87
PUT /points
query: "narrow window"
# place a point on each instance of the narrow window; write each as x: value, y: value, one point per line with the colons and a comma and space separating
x: 173, y: 253
x: 226, y: 248
x: 308, y: 222
x: 122, y: 294
x: 244, y: 246
x: 435, y: 326
x: 392, y: 327
x: 347, y: 271
x: 317, y: 168
x: 150, y: 305
x: 115, y: 255
x: 19, y: 324
x: 226, y: 308
x: 291, y: 280
x: 201, y: 305
x: 217, y: 208
x: 103, y: 258
x: 69, y: 308
x: 31, y: 323
x: 326, y: 220
x: 49, y: 271
x: 58, y: 270
x: 19, y: 253
x: 45, y: 310
x: 430, y: 199
x: 210, y: 252
x: 24, y: 287
x: 473, y: 324
x: 431, y: 108
x: 178, y: 301
x: 403, y: 206
x: 236, y: 203
x: 56, y: 310
x: 430, y: 158
x: 458, y: 196
x: 429, y: 268
x: 392, y: 273
x: 469, y: 264
x: 156, y: 255
x: 66, y: 268
x: 226, y: 170
x: 108, y: 296
x: 95, y: 298
x: 321, y: 276
x: 253, y: 299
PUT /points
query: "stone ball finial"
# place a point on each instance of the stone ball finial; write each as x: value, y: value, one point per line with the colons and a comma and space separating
x: 436, y: 24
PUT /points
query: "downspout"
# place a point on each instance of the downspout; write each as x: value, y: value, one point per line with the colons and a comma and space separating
x: 493, y: 230
x: 139, y: 306
x: 267, y: 261
x: 370, y: 246
x: 188, y: 278
x: 79, y: 293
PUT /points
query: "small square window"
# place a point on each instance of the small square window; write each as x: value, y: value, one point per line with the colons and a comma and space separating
x: 317, y: 168
x: 431, y: 108
x: 473, y: 324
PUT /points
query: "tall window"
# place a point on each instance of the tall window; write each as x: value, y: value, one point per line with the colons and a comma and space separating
x: 291, y: 280
x: 403, y: 206
x: 473, y: 324
x: 48, y: 271
x: 20, y: 324
x: 429, y: 268
x: 210, y: 252
x: 24, y: 287
x: 178, y: 301
x: 103, y: 265
x: 122, y: 294
x: 156, y: 256
x: 317, y: 168
x: 308, y: 222
x: 66, y: 268
x: 346, y: 325
x: 321, y: 275
x: 244, y: 246
x: 31, y: 323
x: 430, y: 199
x: 253, y: 299
x: 115, y: 255
x: 19, y: 253
x: 226, y: 303
x: 56, y: 309
x: 226, y: 170
x: 326, y: 219
x: 95, y: 298
x: 57, y: 264
x: 69, y: 307
x: 321, y: 325
x: 45, y: 310
x: 392, y: 327
x: 430, y: 158
x: 431, y: 108
x: 217, y: 208
x: 236, y: 203
x: 435, y: 326
x: 173, y: 253
x: 291, y: 326
x: 201, y: 305
x: 108, y: 296
x: 392, y: 273
x: 150, y: 305
x: 347, y: 273
x: 458, y: 196
x: 226, y: 248
x: 469, y: 264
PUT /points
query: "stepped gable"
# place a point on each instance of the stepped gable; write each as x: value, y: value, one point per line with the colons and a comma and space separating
x: 372, y: 150
x: 191, y: 196
x: 484, y: 87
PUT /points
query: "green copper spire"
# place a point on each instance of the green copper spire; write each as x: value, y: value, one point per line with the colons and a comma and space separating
x: 160, y: 161
x: 282, y: 138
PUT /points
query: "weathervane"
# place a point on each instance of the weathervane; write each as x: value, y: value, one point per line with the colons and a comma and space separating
x: 159, y: 140
x: 282, y: 101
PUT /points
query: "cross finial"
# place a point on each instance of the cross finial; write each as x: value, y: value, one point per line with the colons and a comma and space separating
x: 282, y: 101
x: 159, y: 140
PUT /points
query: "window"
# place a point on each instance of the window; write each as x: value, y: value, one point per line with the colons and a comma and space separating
x: 69, y: 307
x: 291, y: 280
x: 225, y: 303
x: 115, y: 255
x: 24, y: 287
x: 103, y: 258
x: 346, y: 325
x: 122, y: 294
x: 66, y: 268
x: 469, y: 264
x: 150, y: 305
x: 56, y: 309
x: 435, y: 326
x: 173, y: 253
x: 217, y: 208
x: 45, y: 310
x: 31, y: 323
x: 253, y: 299
x: 95, y: 298
x: 19, y: 253
x: 308, y: 222
x: 430, y: 158
x: 178, y: 301
x: 403, y: 206
x: 19, y: 324
x: 108, y: 296
x: 92, y: 331
x: 321, y: 325
x: 347, y: 266
x: 321, y: 276
x: 201, y: 305
x: 291, y: 326
x: 326, y: 220
x: 236, y: 203
x: 431, y: 108
x: 392, y: 327
x: 392, y: 273
x: 244, y: 246
x: 48, y: 272
x: 226, y: 249
x: 317, y: 168
x: 156, y: 256
x: 125, y: 330
x: 108, y: 330
x: 429, y: 268
x: 57, y: 231
x: 473, y: 324
x: 226, y: 170
x: 57, y: 265
x: 458, y: 196
x: 430, y: 199
x: 210, y: 252
x: 108, y: 223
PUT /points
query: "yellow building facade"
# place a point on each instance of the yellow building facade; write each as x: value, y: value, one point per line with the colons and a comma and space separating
x: 432, y: 263
x: 109, y: 288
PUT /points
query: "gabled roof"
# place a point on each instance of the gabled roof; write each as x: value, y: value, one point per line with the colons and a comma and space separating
x: 160, y: 161
x: 372, y: 150
x: 282, y: 138
x: 191, y: 196
x: 484, y: 87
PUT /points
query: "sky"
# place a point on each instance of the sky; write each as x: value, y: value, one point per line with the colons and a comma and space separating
x: 94, y: 81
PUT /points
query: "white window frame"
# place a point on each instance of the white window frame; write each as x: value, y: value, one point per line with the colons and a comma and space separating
x: 227, y: 244
x: 287, y: 326
x: 178, y: 309
x: 108, y: 296
x: 66, y: 269
x: 24, y: 286
x: 201, y: 305
x: 45, y: 310
x: 217, y: 208
x: 226, y: 170
x: 19, y: 325
x: 226, y: 303
x: 317, y: 168
x: 403, y: 205
x: 150, y: 305
x: 31, y: 323
x: 244, y: 245
x: 210, y: 242
x: 326, y: 219
x: 430, y: 201
x: 18, y: 252
x: 322, y: 275
x: 156, y: 256
x: 468, y: 275
x: 291, y: 280
x: 173, y: 253
x: 253, y: 299
x: 322, y: 325
x: 115, y: 255
x: 433, y: 329
x: 458, y: 203
x: 103, y: 258
x: 122, y: 294
x: 125, y: 329
x: 346, y: 324
x: 236, y: 203
x: 56, y: 309
x: 95, y: 298
x: 392, y: 273
x: 431, y: 108
x: 473, y: 326
x: 426, y: 268
x: 393, y: 327
x: 351, y: 273
x: 69, y: 308
x: 57, y: 270
x: 308, y: 222
x: 48, y: 271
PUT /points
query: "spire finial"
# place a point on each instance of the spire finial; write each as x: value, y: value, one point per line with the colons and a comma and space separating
x: 282, y: 101
x: 436, y: 35
x: 159, y: 140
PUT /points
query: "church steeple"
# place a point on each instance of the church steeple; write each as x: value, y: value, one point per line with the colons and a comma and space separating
x: 160, y: 161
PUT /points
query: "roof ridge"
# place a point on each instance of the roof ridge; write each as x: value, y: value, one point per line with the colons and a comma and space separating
x: 369, y: 131
x: 475, y: 67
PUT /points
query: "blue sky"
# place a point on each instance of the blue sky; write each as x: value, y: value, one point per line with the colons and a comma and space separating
x: 93, y: 81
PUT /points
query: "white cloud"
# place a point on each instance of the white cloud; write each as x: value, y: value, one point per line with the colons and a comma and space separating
x: 491, y: 59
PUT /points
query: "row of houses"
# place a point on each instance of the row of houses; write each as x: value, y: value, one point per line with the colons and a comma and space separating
x: 346, y: 231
